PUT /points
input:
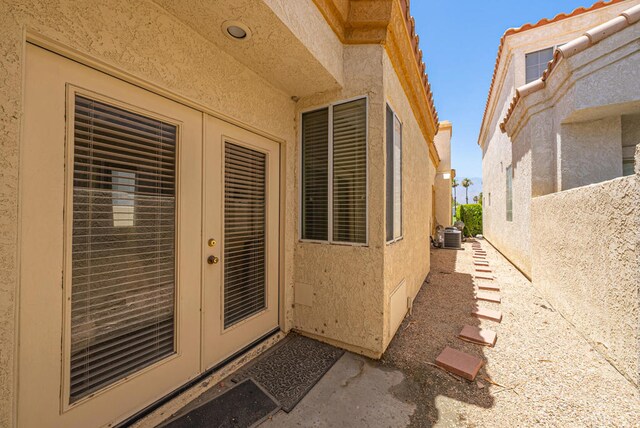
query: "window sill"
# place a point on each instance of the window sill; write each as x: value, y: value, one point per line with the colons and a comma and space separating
x: 401, y: 238
x: 340, y: 244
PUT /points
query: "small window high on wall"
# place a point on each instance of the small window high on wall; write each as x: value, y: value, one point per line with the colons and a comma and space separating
x: 394, y: 176
x: 334, y: 173
x: 536, y: 63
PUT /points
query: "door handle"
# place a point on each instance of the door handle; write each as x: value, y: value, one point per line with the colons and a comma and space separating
x: 212, y: 260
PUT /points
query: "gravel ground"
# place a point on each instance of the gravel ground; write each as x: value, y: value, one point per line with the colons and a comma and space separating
x: 541, y: 371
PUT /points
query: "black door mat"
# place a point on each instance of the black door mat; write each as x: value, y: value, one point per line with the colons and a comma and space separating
x: 243, y: 405
x: 291, y: 369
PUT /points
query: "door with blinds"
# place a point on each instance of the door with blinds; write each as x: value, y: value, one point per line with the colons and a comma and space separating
x: 241, y: 227
x: 111, y: 257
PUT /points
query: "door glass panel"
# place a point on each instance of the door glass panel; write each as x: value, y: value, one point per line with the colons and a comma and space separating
x: 244, y: 233
x: 123, y: 244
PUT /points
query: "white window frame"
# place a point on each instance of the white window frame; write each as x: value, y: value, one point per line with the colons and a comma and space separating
x: 330, y: 239
x: 395, y: 116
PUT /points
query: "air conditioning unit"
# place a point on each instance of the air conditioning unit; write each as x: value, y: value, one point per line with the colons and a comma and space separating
x: 452, y: 238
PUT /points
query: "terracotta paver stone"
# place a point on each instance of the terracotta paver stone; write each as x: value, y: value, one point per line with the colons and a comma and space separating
x: 481, y: 336
x: 488, y: 296
x: 488, y: 286
x: 459, y: 363
x: 487, y: 314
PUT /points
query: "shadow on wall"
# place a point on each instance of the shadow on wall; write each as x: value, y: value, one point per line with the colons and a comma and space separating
x: 440, y: 310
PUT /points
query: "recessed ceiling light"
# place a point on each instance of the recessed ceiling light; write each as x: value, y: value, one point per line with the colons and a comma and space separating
x: 236, y: 30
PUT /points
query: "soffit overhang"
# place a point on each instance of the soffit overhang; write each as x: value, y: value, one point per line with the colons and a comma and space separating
x: 275, y: 51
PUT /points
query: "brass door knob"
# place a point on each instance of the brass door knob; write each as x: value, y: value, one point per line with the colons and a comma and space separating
x: 211, y: 242
x: 212, y: 260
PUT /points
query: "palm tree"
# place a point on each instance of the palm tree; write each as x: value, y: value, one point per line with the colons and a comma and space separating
x: 466, y: 183
x: 475, y: 199
x: 455, y: 184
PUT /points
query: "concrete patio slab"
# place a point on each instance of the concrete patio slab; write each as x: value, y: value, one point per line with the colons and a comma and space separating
x: 355, y: 392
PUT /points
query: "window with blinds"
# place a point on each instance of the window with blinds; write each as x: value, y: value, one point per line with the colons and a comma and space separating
x: 334, y: 156
x: 123, y: 244
x: 394, y: 176
x: 245, y: 199
x: 315, y: 175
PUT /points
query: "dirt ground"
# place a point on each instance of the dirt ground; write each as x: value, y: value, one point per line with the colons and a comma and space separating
x: 541, y: 371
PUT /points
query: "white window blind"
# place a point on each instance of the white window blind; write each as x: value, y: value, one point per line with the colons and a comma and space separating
x: 394, y: 176
x: 536, y: 63
x: 509, y: 193
x: 123, y: 244
x: 350, y: 172
x: 346, y: 168
x: 244, y: 233
x: 315, y: 175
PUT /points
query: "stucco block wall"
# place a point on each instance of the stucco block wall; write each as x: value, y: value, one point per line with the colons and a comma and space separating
x: 339, y: 292
x: 144, y: 40
x: 444, y: 195
x: 444, y: 209
x: 590, y: 152
x: 407, y: 259
x: 586, y: 255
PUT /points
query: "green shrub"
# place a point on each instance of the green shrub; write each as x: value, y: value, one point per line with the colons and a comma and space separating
x: 471, y: 215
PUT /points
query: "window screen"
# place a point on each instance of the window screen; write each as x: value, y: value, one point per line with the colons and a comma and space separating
x: 536, y: 63
x: 123, y: 244
x: 346, y: 203
x: 509, y: 195
x: 394, y: 176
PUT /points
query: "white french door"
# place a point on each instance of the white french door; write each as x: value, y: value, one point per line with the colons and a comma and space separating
x: 240, y: 224
x: 149, y: 244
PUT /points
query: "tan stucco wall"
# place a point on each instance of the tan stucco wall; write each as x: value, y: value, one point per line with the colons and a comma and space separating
x: 142, y: 39
x: 338, y: 288
x: 590, y: 152
x: 585, y: 260
x: 349, y: 286
x: 532, y: 163
x: 407, y: 259
x: 443, y: 202
x: 512, y: 238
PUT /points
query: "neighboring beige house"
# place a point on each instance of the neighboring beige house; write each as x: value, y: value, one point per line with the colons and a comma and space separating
x: 510, y: 176
x: 182, y: 180
x: 442, y: 209
x: 575, y: 134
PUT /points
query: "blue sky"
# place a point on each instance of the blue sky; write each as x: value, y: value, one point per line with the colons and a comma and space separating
x: 460, y: 44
